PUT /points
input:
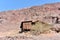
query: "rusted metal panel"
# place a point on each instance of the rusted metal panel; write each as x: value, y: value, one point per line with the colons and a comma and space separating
x: 27, y: 25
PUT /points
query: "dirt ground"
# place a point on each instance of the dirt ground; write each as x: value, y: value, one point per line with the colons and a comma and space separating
x: 28, y: 36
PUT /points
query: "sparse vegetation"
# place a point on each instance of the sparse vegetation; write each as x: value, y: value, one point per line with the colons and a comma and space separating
x: 40, y: 27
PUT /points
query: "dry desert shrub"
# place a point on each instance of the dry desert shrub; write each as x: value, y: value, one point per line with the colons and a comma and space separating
x: 40, y: 27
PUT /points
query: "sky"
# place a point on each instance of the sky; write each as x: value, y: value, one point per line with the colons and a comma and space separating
x: 6, y: 5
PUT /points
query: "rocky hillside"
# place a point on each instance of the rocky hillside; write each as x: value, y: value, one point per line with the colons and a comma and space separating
x: 49, y: 13
x: 11, y: 20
